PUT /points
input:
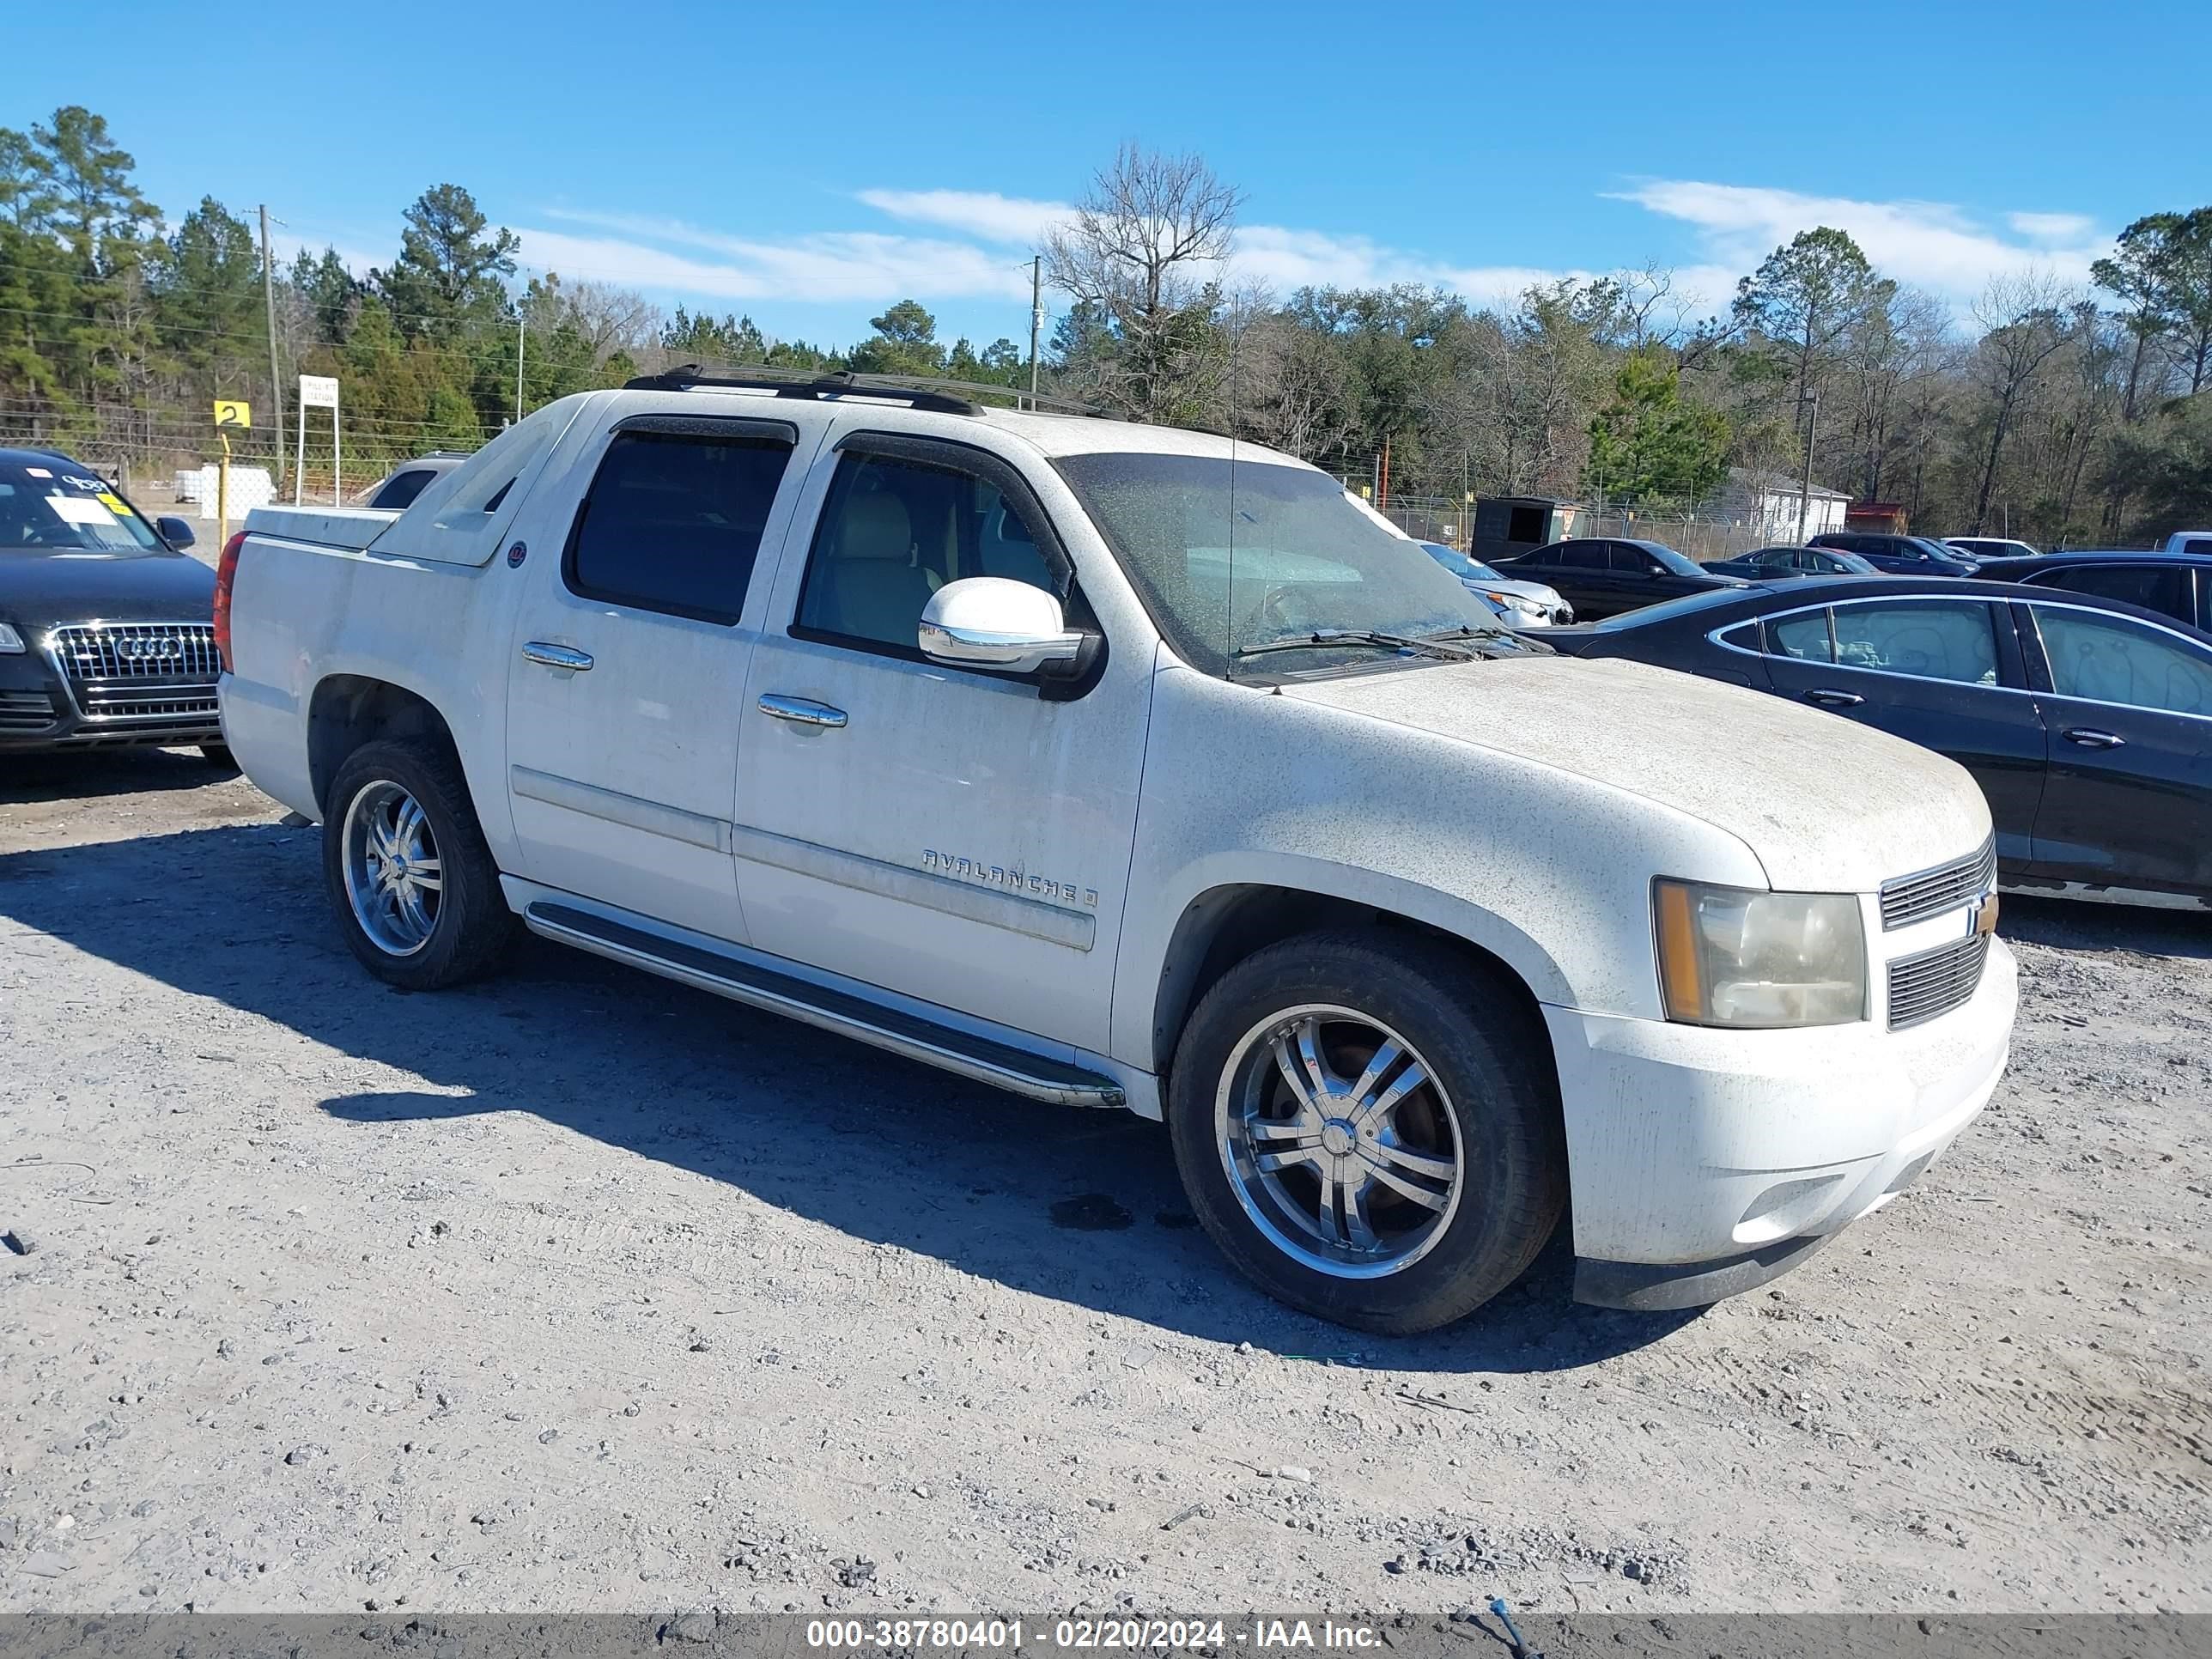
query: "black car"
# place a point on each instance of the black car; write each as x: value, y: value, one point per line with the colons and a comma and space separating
x: 1605, y: 576
x: 1765, y: 563
x: 107, y: 631
x: 2086, y: 722
x: 2179, y: 585
x: 1901, y: 556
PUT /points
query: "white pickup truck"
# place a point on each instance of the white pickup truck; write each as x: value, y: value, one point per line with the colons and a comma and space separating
x: 1123, y: 766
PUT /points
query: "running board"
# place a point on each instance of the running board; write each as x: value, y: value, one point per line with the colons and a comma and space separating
x: 978, y: 1058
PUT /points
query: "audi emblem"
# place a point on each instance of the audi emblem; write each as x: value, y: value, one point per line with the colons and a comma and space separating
x: 154, y: 650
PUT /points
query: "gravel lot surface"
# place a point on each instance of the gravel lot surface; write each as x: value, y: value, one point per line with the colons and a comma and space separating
x: 576, y: 1290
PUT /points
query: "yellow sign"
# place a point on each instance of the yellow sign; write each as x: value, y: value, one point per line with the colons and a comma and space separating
x: 233, y: 414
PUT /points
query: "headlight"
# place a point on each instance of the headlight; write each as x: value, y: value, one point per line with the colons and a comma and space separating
x: 11, y: 643
x: 1520, y: 605
x: 1731, y: 956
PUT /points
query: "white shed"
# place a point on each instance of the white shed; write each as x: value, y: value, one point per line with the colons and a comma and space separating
x: 1767, y: 500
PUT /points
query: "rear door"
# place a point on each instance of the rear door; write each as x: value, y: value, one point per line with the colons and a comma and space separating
x: 626, y: 673
x: 1580, y: 572
x: 2129, y: 707
x: 1940, y: 672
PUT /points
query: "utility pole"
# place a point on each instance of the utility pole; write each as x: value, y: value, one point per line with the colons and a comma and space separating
x: 268, y: 300
x: 1805, y: 494
x: 1037, y: 319
x: 521, y: 327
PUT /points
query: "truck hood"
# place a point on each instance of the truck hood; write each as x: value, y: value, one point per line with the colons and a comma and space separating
x: 1825, y: 805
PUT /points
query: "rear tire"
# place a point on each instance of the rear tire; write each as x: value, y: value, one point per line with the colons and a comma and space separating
x: 410, y: 881
x: 1367, y: 1126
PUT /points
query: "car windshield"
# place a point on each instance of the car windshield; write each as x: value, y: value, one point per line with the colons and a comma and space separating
x: 1234, y: 557
x: 58, y: 505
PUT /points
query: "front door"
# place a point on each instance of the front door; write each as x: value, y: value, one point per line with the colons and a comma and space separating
x: 1942, y: 673
x: 2130, y: 715
x: 627, y: 668
x: 952, y: 835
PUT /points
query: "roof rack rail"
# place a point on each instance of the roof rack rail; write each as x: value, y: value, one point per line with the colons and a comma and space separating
x: 937, y: 397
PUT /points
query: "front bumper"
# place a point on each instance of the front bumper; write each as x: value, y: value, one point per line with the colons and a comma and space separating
x: 43, y: 707
x: 1702, y: 1162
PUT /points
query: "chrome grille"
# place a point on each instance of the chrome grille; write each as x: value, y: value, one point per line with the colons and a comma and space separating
x: 137, y: 652
x: 1933, y: 982
x: 1950, y: 886
x: 25, y: 711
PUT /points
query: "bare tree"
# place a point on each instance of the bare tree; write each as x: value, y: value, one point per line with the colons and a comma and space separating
x: 2022, y: 326
x: 1145, y: 249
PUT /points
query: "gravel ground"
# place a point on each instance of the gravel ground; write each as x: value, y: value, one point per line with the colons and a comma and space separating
x: 580, y: 1290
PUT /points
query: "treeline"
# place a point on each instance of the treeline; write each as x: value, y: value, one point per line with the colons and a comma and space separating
x: 2053, y: 413
x: 116, y: 338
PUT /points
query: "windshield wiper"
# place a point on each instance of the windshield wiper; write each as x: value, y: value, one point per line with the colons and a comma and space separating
x: 1321, y: 638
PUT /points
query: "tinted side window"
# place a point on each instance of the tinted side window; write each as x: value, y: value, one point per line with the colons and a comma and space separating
x: 2112, y: 659
x: 1579, y: 555
x: 1930, y: 638
x: 1803, y: 636
x: 2155, y: 587
x: 673, y: 523
x: 892, y: 533
x: 1633, y: 560
x: 2200, y: 545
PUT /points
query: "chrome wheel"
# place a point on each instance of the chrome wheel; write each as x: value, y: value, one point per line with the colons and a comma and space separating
x: 1338, y: 1141
x: 393, y: 877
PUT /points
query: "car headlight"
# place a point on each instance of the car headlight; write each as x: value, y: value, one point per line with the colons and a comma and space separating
x: 1520, y: 605
x: 1729, y: 955
x: 11, y: 643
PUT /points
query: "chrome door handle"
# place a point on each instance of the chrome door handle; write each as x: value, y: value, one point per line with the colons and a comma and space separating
x: 776, y: 706
x: 1831, y: 699
x: 2090, y: 737
x: 547, y: 655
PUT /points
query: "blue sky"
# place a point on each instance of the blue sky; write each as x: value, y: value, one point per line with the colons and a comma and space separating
x: 808, y: 164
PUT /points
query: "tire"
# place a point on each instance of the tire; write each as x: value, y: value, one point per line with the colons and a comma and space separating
x: 1485, y: 1114
x: 218, y: 755
x: 454, y: 931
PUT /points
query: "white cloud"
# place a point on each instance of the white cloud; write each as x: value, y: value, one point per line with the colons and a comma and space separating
x: 1011, y: 221
x: 834, y: 266
x: 2053, y: 226
x: 954, y: 245
x: 1931, y: 245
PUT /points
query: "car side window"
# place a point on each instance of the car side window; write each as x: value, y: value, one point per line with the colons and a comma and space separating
x: 1633, y: 560
x: 1927, y: 639
x: 1580, y: 556
x: 672, y: 522
x: 1802, y: 635
x: 893, y: 532
x: 2114, y: 660
x: 2155, y: 587
x: 2200, y: 546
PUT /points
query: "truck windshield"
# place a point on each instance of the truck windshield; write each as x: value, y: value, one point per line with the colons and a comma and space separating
x: 1230, y: 557
x: 62, y: 507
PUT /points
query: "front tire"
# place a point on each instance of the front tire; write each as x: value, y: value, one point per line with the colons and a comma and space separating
x: 410, y: 878
x: 1366, y: 1126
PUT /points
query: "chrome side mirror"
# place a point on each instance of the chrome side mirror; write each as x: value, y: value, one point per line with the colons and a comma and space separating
x: 1003, y: 626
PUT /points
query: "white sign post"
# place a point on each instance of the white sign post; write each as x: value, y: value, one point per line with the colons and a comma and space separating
x: 318, y: 392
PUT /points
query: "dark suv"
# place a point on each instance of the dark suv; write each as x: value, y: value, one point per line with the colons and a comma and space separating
x: 1902, y: 556
x: 107, y: 632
